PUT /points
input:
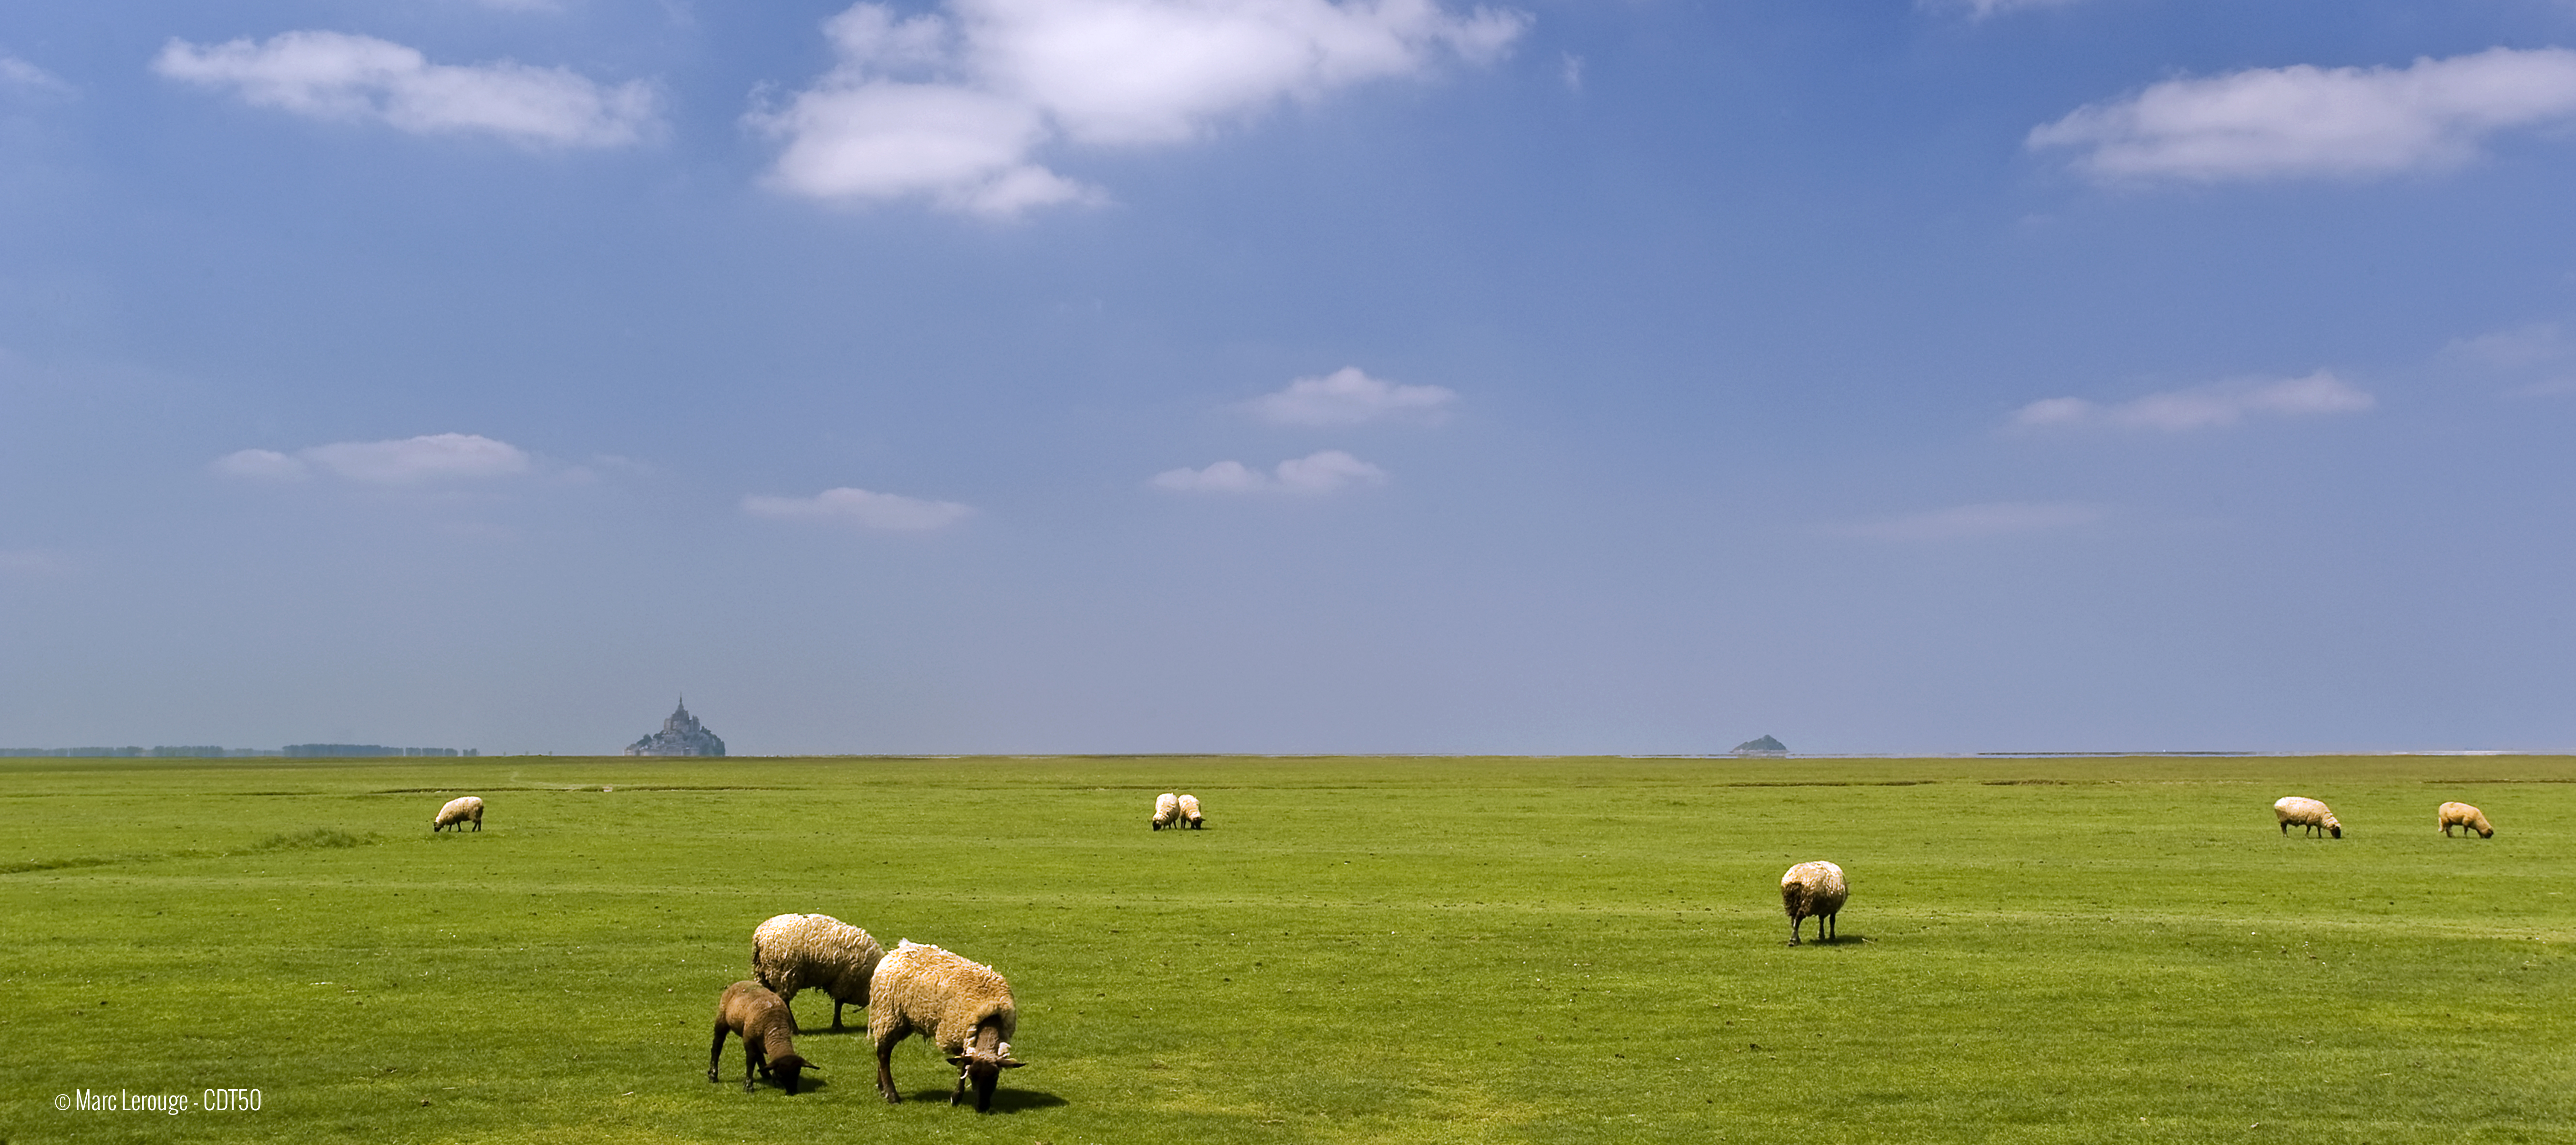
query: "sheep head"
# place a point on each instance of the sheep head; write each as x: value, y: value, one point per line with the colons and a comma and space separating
x: 789, y: 1069
x: 2332, y: 825
x: 981, y: 1067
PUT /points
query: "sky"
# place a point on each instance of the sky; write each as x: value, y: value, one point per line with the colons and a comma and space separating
x: 1284, y: 376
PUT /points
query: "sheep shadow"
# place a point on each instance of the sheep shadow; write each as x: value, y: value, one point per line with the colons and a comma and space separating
x: 1004, y: 1100
x: 1837, y: 940
x: 811, y: 1082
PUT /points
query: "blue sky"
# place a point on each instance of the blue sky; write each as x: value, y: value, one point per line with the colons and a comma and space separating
x: 1284, y: 375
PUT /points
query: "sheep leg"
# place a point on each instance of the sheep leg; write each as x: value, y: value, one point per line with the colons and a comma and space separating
x: 1794, y: 922
x: 715, y: 1053
x: 885, y: 1070
x: 750, y: 1055
x: 1833, y: 921
x: 836, y: 1013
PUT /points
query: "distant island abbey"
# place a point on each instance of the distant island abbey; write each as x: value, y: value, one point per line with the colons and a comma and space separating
x: 681, y: 734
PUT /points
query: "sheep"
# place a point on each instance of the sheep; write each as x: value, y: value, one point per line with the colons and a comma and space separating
x: 963, y: 1008
x: 2308, y: 813
x: 457, y: 812
x: 1167, y: 808
x: 1190, y: 816
x: 1813, y: 889
x: 768, y: 1030
x: 794, y: 952
x: 2461, y: 815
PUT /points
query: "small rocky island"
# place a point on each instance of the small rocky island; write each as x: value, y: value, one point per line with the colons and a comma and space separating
x: 1764, y: 746
x: 681, y: 734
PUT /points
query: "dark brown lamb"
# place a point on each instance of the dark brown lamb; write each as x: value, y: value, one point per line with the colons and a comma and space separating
x: 768, y: 1030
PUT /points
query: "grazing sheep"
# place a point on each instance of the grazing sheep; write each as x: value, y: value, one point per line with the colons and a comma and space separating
x: 1190, y: 816
x: 1167, y: 808
x: 768, y: 1030
x: 963, y: 1008
x: 2308, y: 813
x: 457, y: 812
x: 2461, y: 815
x: 1813, y: 889
x: 795, y: 952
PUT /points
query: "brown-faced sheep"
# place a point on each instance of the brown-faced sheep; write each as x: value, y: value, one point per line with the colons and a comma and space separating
x: 2462, y: 815
x: 1813, y: 890
x: 963, y: 1008
x: 1167, y: 808
x: 458, y: 812
x: 1190, y: 816
x: 794, y: 952
x: 2304, y: 812
x: 768, y: 1030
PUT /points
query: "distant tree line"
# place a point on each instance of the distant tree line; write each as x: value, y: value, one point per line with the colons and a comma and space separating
x: 188, y: 752
x: 348, y: 750
x: 202, y: 751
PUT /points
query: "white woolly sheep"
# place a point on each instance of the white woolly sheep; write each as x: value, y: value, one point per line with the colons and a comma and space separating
x: 962, y: 1007
x: 794, y: 952
x: 1190, y: 816
x: 1814, y: 890
x: 1167, y: 808
x: 457, y: 813
x: 2462, y: 815
x: 2304, y: 812
x: 768, y: 1030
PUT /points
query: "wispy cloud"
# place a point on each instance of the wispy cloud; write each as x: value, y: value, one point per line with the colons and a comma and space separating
x: 1982, y: 9
x: 403, y: 461
x: 19, y: 75
x: 2539, y: 354
x: 2540, y: 343
x: 343, y: 77
x: 860, y: 507
x: 1348, y: 397
x: 1326, y: 471
x: 1969, y: 522
x: 2303, y: 120
x: 954, y: 105
x: 35, y: 562
x: 2202, y: 407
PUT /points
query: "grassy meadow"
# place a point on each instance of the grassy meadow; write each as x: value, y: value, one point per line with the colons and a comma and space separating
x: 1355, y: 950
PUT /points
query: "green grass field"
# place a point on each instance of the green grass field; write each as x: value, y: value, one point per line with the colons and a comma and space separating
x: 1552, y: 950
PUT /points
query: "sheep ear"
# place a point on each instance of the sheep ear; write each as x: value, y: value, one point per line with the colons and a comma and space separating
x: 958, y: 1060
x: 1013, y: 1064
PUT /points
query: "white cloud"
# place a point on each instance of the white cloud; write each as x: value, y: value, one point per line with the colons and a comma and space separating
x: 2202, y: 407
x: 1981, y: 9
x: 24, y: 76
x: 2540, y: 349
x: 260, y: 465
x: 1348, y: 397
x: 2321, y: 122
x: 953, y: 106
x: 1326, y: 471
x: 405, y: 461
x: 337, y: 76
x: 861, y: 507
x: 2540, y: 343
x: 1969, y: 522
